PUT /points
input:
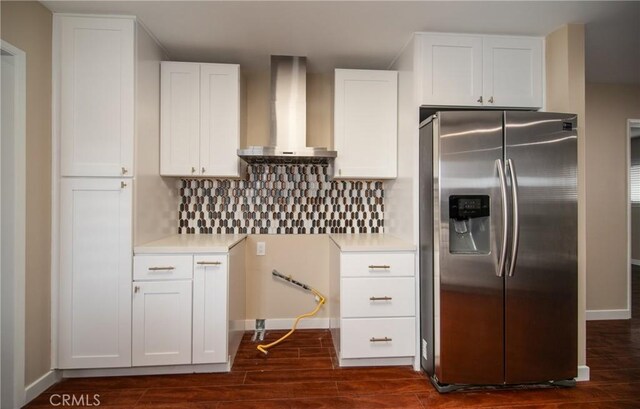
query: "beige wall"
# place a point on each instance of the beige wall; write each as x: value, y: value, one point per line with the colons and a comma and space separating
x: 28, y: 26
x: 155, y: 198
x: 608, y: 108
x: 257, y: 120
x: 565, y: 92
x: 305, y: 257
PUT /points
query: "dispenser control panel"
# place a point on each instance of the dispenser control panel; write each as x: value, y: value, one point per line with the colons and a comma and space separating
x: 468, y: 207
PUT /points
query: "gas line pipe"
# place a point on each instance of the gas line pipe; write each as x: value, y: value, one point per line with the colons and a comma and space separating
x: 320, y: 299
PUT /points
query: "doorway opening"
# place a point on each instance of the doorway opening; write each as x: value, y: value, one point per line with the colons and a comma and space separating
x: 633, y: 133
x: 12, y: 237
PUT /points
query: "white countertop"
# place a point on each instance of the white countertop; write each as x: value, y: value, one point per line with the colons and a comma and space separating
x: 370, y: 242
x: 191, y: 243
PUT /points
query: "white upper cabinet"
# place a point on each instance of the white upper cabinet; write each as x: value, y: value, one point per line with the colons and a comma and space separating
x: 95, y: 273
x: 179, y: 118
x: 366, y: 124
x: 200, y: 119
x: 96, y: 91
x: 452, y: 70
x: 512, y: 71
x: 219, y: 119
x: 480, y: 71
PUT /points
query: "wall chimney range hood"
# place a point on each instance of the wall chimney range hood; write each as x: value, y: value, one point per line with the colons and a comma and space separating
x: 288, y: 138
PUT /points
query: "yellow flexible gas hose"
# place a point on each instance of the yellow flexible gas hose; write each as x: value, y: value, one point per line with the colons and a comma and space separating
x: 320, y: 299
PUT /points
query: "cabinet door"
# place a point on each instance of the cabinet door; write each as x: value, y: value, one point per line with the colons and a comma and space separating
x: 210, y: 309
x: 96, y: 74
x: 179, y: 118
x: 161, y: 323
x: 366, y: 123
x: 452, y: 70
x: 512, y: 70
x: 219, y: 119
x: 95, y: 273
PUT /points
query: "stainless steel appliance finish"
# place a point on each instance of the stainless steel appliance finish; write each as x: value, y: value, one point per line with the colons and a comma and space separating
x: 507, y: 315
x: 288, y: 138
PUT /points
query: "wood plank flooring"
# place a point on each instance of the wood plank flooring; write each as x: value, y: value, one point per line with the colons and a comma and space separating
x: 302, y: 373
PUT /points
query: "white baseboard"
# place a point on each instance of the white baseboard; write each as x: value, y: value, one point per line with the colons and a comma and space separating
x: 583, y: 373
x: 398, y: 361
x: 287, y: 323
x: 596, y: 315
x: 41, y: 384
x: 635, y: 262
x: 146, y: 370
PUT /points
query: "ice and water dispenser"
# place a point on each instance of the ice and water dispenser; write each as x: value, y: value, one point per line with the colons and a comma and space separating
x: 469, y: 224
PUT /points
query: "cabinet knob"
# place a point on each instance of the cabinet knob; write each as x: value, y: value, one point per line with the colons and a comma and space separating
x: 124, y: 170
x: 193, y: 170
x: 491, y: 100
x: 203, y: 170
x: 136, y: 289
x: 123, y: 185
x: 480, y: 99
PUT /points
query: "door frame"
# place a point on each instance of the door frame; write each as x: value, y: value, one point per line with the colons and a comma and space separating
x: 17, y: 347
x: 631, y: 123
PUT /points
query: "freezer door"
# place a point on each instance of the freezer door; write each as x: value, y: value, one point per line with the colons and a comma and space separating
x: 541, y: 293
x: 469, y: 326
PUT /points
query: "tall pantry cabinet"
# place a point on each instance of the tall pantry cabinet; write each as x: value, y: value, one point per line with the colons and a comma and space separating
x: 95, y: 62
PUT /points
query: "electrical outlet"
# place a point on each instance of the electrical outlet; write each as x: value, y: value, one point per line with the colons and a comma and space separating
x: 261, y: 248
x: 424, y: 350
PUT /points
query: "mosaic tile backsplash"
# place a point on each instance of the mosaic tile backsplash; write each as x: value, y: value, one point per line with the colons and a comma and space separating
x: 281, y: 199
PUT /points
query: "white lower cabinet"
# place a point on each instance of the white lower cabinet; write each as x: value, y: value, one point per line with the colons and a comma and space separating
x: 181, y: 308
x: 95, y: 273
x: 162, y: 323
x: 210, y: 284
x: 372, y: 307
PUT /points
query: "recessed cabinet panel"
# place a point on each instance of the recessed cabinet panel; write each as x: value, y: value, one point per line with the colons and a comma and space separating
x: 161, y: 323
x: 210, y: 322
x: 219, y: 119
x: 96, y: 77
x: 513, y: 71
x: 366, y: 123
x: 452, y: 70
x: 179, y: 118
x: 95, y: 273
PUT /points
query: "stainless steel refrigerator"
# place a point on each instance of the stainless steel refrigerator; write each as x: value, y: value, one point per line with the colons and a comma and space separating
x: 498, y: 248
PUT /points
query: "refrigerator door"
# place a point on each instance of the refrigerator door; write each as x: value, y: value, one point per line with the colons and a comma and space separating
x: 541, y: 293
x: 469, y: 326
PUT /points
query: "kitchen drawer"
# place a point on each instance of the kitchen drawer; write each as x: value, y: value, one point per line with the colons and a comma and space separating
x: 364, y: 338
x: 162, y: 267
x: 375, y: 264
x: 378, y: 297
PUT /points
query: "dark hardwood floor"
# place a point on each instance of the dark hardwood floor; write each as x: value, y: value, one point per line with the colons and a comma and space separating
x: 302, y: 373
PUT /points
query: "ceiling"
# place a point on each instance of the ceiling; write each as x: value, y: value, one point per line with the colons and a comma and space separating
x: 369, y: 34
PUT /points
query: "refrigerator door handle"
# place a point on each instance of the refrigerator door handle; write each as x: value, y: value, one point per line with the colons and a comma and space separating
x: 502, y: 258
x: 516, y: 218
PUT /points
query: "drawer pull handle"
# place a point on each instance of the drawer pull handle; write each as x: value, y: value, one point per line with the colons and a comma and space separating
x: 209, y: 263
x: 136, y: 289
x: 379, y: 267
x: 167, y: 268
x: 385, y: 298
x: 385, y: 339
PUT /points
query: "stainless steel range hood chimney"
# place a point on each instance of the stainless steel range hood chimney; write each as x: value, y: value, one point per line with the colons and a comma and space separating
x: 288, y: 139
